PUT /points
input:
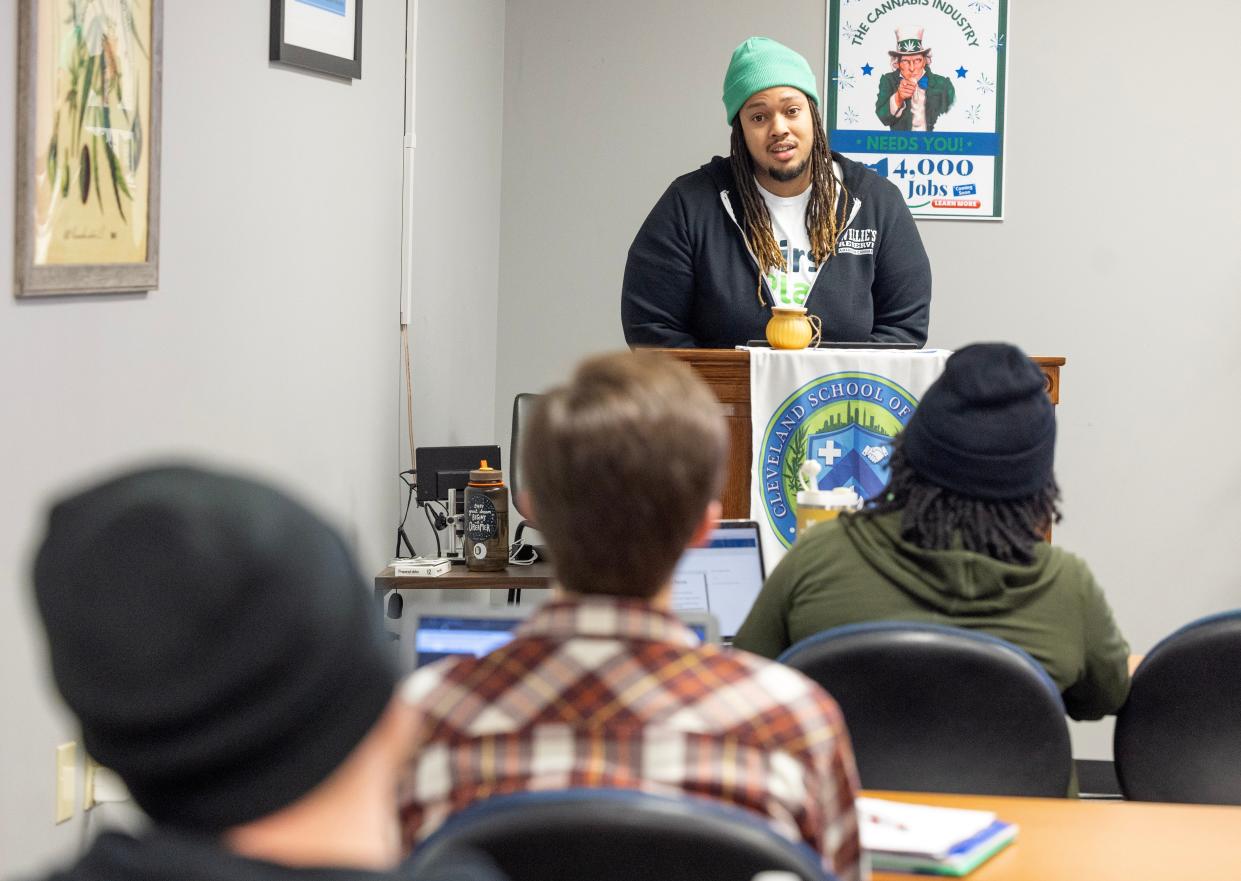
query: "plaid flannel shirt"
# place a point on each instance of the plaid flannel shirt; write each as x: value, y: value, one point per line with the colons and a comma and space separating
x: 609, y: 692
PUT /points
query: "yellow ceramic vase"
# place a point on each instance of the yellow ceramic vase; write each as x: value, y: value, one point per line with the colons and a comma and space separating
x: 789, y: 328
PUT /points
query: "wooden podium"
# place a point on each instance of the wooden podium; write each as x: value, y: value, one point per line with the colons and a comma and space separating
x: 727, y: 372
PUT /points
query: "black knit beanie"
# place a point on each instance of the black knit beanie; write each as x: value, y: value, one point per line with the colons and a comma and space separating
x: 214, y: 639
x: 985, y: 429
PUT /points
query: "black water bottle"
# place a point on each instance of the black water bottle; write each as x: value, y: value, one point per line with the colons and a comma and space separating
x: 486, y: 520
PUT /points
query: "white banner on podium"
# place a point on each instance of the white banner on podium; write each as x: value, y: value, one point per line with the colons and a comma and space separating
x: 841, y: 407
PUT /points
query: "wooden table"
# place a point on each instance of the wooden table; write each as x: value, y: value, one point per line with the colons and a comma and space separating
x: 536, y: 575
x: 1067, y: 839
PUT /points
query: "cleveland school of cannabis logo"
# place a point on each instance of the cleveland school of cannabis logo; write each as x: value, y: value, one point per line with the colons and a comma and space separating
x: 845, y: 422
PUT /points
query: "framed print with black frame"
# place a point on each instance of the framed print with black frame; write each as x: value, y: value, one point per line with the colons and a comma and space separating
x: 89, y: 92
x: 320, y: 35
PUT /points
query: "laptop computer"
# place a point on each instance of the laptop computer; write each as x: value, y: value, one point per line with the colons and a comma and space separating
x: 431, y: 632
x: 723, y: 576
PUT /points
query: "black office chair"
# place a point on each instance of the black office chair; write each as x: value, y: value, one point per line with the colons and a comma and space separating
x: 618, y: 835
x: 1178, y: 736
x: 941, y: 709
x: 523, y: 406
x: 460, y: 865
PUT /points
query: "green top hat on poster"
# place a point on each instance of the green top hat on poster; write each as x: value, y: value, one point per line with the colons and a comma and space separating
x: 909, y: 42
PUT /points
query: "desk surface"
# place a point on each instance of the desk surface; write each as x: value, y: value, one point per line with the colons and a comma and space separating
x: 1064, y: 839
x: 460, y: 578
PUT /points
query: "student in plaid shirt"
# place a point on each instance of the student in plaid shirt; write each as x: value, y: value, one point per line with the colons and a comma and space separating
x: 604, y: 686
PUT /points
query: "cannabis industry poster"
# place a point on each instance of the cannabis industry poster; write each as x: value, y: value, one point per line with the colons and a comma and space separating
x: 915, y: 89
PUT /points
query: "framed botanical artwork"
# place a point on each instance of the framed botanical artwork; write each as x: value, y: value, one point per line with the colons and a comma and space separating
x: 88, y: 146
x: 322, y: 35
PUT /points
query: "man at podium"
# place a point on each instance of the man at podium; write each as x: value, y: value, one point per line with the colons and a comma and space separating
x: 782, y: 222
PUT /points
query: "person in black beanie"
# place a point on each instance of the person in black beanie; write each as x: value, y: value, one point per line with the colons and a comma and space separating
x: 958, y: 538
x: 221, y: 652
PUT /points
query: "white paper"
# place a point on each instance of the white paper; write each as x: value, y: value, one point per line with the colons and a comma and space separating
x: 922, y: 830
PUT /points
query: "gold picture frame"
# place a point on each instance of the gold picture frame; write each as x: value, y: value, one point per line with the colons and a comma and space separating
x: 89, y: 94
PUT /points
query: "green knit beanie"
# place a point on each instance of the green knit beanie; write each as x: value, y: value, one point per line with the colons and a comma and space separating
x: 760, y: 63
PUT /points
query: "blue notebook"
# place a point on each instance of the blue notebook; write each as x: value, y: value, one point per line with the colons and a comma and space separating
x: 960, y: 860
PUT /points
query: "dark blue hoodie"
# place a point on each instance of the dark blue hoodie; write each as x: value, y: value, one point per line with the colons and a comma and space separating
x: 691, y: 279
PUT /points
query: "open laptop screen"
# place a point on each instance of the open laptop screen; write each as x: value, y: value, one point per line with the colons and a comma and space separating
x: 722, y: 577
x: 441, y: 633
x: 441, y: 636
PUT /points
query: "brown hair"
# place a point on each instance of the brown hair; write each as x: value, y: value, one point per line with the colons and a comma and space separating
x: 824, y: 220
x: 621, y: 463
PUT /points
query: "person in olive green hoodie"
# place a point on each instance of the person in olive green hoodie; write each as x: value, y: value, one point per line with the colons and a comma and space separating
x: 957, y: 538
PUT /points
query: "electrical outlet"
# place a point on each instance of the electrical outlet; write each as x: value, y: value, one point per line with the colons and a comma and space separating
x: 88, y: 782
x: 101, y: 785
x: 66, y: 780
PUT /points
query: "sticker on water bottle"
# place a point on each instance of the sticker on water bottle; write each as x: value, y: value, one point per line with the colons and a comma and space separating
x: 480, y: 519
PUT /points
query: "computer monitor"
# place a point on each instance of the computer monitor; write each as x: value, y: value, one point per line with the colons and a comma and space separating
x: 723, y: 576
x: 443, y: 468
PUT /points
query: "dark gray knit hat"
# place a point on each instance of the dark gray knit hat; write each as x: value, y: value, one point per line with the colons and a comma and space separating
x: 214, y: 639
x: 986, y: 428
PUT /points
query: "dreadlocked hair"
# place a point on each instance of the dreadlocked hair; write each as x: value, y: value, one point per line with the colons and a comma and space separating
x: 823, y: 222
x: 938, y: 519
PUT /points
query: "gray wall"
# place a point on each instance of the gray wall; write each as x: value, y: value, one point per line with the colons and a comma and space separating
x: 271, y: 343
x: 1119, y: 251
x: 456, y: 232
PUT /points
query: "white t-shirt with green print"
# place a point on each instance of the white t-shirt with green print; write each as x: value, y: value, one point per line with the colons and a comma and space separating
x: 788, y: 222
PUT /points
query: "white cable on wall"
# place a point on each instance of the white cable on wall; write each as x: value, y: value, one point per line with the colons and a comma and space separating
x: 409, y: 143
